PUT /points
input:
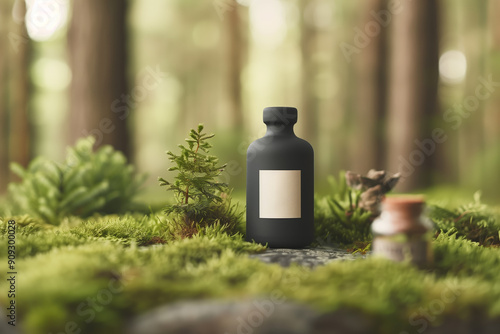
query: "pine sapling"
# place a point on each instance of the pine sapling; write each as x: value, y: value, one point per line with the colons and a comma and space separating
x: 200, y: 199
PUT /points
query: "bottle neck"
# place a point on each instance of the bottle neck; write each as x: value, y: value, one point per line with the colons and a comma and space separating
x: 279, y: 129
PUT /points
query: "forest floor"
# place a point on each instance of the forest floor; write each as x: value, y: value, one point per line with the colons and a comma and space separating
x: 105, y: 274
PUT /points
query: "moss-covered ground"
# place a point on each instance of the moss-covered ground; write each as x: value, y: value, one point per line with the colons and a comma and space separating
x: 96, y: 273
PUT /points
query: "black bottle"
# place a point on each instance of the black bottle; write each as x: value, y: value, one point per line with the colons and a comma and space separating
x: 280, y: 184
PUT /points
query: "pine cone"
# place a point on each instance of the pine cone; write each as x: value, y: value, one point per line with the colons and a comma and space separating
x: 374, y: 186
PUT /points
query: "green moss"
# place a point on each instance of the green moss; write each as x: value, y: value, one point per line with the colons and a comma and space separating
x: 25, y: 224
x: 100, y: 270
x: 56, y: 285
x: 462, y: 258
x: 125, y: 228
x: 64, y: 277
x: 475, y: 221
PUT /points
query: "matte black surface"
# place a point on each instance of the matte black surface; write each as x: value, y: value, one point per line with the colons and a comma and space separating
x: 280, y: 149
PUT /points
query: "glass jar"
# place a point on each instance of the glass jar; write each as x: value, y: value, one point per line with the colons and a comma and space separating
x: 402, y: 232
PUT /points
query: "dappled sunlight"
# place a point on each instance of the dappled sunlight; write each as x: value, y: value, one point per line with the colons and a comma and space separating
x: 268, y: 22
x: 51, y: 74
x: 319, y: 13
x: 452, y: 66
x: 45, y: 17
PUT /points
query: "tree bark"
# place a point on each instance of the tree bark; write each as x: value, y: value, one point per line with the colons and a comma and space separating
x: 471, y: 132
x: 491, y: 117
x: 4, y: 135
x: 412, y: 99
x: 98, y: 59
x: 19, y: 120
x: 236, y: 48
x: 308, y: 116
x: 492, y: 113
x: 370, y: 102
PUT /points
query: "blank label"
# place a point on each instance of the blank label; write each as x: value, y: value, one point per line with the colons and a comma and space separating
x: 279, y: 194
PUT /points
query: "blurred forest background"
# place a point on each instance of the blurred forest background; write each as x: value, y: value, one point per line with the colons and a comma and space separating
x: 401, y: 85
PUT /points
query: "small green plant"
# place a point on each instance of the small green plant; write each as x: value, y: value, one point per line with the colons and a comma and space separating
x: 200, y: 199
x: 474, y: 221
x: 345, y: 215
x: 339, y: 219
x: 87, y: 182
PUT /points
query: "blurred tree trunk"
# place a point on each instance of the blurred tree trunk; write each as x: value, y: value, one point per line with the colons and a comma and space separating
x: 492, y: 114
x: 412, y: 100
x: 19, y: 59
x: 308, y: 116
x: 4, y: 135
x: 236, y: 50
x: 491, y: 119
x: 471, y: 132
x: 97, y: 40
x: 370, y: 99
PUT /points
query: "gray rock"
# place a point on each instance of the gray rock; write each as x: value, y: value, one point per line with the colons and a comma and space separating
x: 259, y: 316
x: 456, y: 325
x: 491, y: 326
x: 5, y: 328
x: 276, y: 316
x: 308, y: 257
x: 343, y: 322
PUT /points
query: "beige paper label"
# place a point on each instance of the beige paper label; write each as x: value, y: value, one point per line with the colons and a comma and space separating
x: 279, y: 194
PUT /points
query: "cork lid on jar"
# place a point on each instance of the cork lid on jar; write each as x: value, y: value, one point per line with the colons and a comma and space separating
x: 402, y: 214
x: 411, y: 205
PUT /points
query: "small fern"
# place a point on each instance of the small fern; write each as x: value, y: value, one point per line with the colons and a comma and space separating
x: 87, y: 182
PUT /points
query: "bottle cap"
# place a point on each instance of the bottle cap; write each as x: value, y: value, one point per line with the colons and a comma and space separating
x: 280, y: 115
